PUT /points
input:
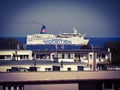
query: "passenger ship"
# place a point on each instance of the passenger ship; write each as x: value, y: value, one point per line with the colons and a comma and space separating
x: 43, y: 38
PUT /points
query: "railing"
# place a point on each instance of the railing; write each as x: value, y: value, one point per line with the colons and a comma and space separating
x: 96, y: 80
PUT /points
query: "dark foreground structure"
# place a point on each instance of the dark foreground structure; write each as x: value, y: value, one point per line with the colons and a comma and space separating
x: 86, y: 80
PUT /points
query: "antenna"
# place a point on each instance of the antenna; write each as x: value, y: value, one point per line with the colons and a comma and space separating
x: 18, y: 46
x: 92, y: 46
x: 36, y: 22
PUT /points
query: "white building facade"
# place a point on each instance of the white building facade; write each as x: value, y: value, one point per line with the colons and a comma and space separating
x: 75, y: 60
x: 15, y: 55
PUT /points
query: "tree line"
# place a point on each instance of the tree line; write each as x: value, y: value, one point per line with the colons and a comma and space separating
x: 115, y: 51
x: 10, y: 43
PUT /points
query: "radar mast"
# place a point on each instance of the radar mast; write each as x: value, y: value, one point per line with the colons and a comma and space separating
x: 75, y: 30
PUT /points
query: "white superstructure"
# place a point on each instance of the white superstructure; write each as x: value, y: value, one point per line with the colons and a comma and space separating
x: 74, y: 38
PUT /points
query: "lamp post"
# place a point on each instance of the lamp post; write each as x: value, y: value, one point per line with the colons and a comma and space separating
x: 94, y: 59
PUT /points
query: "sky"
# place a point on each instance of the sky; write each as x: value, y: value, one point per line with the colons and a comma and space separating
x: 95, y: 18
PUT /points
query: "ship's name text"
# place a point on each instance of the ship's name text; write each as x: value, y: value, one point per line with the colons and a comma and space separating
x: 57, y: 41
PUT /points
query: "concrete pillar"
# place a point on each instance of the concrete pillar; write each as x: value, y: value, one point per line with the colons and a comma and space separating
x: 113, y: 85
x: 34, y: 57
x: 110, y: 57
x: 103, y: 86
x: 20, y: 87
x: 10, y: 87
x: 5, y: 87
x: 30, y: 55
x: 92, y: 60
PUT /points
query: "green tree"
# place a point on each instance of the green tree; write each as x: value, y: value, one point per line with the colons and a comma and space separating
x: 115, y: 50
x: 9, y: 43
x: 2, y: 43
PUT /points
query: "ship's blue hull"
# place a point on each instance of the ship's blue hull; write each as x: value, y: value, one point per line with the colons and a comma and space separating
x: 96, y: 42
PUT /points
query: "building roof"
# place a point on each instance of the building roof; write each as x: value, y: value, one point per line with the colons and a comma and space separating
x: 37, y: 62
x: 73, y: 51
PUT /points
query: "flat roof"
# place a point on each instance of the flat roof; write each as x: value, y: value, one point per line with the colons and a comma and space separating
x: 38, y: 62
x: 59, y: 50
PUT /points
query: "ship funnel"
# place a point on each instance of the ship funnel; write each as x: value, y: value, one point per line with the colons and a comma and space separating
x: 75, y: 30
x: 43, y: 30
